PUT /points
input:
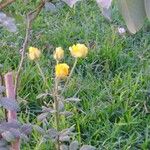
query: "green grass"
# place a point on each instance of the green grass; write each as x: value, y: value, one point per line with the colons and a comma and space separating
x: 113, y: 82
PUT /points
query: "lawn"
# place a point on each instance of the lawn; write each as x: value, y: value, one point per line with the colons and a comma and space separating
x: 113, y: 82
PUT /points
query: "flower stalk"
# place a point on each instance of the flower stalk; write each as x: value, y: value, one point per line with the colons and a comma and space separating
x: 42, y: 74
x: 70, y: 75
x: 56, y: 107
x: 61, y: 72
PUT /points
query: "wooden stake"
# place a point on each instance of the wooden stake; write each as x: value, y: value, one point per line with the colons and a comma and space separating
x: 11, y: 115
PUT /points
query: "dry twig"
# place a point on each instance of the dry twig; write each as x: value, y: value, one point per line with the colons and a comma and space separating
x: 5, y: 3
x: 31, y: 16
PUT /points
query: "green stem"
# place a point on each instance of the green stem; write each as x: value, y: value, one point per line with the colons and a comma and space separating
x: 41, y: 73
x: 78, y: 126
x: 71, y: 72
x: 39, y: 144
x: 57, y: 117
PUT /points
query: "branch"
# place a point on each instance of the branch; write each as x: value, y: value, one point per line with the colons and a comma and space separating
x: 5, y: 3
x: 31, y: 16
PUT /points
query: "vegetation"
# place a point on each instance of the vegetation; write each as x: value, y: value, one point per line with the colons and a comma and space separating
x: 113, y: 81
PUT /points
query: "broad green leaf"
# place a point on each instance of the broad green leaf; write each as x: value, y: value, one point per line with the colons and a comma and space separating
x: 15, y: 132
x: 42, y: 116
x: 50, y: 7
x: 61, y: 106
x: 4, y: 148
x: 9, y: 104
x: 47, y: 110
x: 104, y: 3
x: 64, y: 138
x: 5, y: 126
x: 63, y: 147
x: 133, y: 12
x: 70, y: 3
x: 147, y: 8
x: 39, y: 129
x: 8, y: 136
x: 105, y: 8
x: 72, y: 99
x: 66, y: 113
x: 24, y: 137
x: 68, y: 130
x: 52, y: 133
x: 7, y: 22
x: 87, y: 147
x: 74, y: 145
x: 3, y: 143
x: 2, y: 89
x: 26, y: 129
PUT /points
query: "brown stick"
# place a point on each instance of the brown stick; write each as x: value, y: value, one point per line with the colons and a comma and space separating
x: 11, y: 115
x: 31, y: 16
x: 2, y: 82
x: 5, y: 3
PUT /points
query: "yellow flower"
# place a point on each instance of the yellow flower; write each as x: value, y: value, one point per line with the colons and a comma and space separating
x: 61, y: 70
x: 58, y: 54
x: 34, y: 53
x: 79, y: 50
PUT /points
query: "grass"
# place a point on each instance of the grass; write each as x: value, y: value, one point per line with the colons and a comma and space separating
x: 113, y: 82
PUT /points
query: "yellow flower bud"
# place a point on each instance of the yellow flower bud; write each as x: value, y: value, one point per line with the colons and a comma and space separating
x: 79, y: 50
x: 34, y: 53
x: 58, y: 54
x: 61, y: 70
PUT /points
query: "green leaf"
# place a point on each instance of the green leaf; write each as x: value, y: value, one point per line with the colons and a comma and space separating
x: 68, y: 131
x: 15, y: 132
x: 74, y: 145
x: 47, y: 110
x: 5, y: 126
x: 104, y: 3
x: 63, y: 147
x: 8, y: 136
x: 52, y: 133
x: 26, y: 129
x: 50, y: 7
x: 39, y: 129
x: 42, y: 116
x: 87, y: 147
x: 70, y: 3
x: 3, y: 143
x: 147, y: 8
x: 24, y: 137
x: 2, y: 89
x: 66, y: 113
x: 7, y: 22
x: 105, y: 8
x: 133, y: 12
x: 4, y: 148
x: 61, y: 106
x: 9, y: 104
x: 64, y: 138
